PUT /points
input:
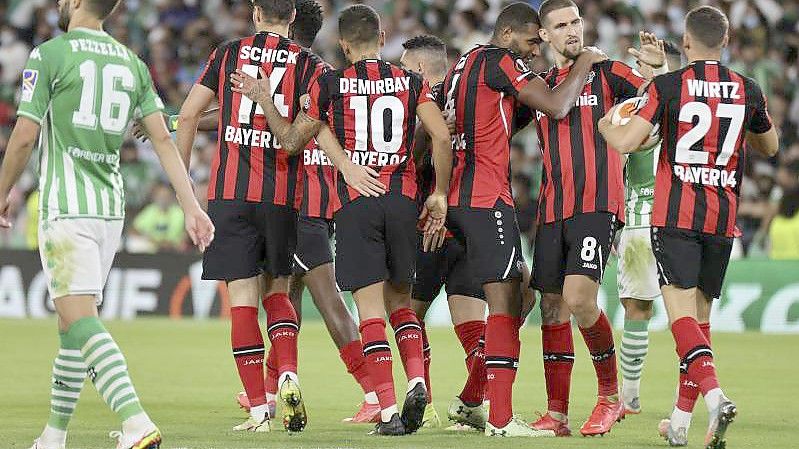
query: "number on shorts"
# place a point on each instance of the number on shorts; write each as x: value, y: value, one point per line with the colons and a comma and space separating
x: 589, y: 249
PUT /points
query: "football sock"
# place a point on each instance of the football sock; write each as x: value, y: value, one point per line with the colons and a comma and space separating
x: 270, y: 382
x: 379, y: 363
x: 558, y: 348
x: 352, y: 356
x: 502, y: 360
x: 408, y: 334
x: 470, y: 335
x: 696, y: 358
x: 634, y: 347
x: 107, y: 369
x: 248, y: 352
x: 426, y: 359
x: 687, y: 391
x: 282, y: 328
x: 69, y: 374
x: 599, y: 339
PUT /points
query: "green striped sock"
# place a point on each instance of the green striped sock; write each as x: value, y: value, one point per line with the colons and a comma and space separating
x: 69, y: 373
x: 106, y: 366
x: 634, y: 346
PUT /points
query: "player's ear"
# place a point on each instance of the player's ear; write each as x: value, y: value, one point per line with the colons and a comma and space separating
x: 344, y: 47
x: 293, y: 16
x: 381, y: 40
x: 726, y: 40
x: 542, y: 33
x: 686, y: 41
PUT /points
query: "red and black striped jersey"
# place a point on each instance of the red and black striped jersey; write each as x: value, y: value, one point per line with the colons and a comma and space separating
x: 371, y: 109
x: 249, y: 163
x: 581, y: 173
x: 426, y: 175
x: 704, y: 111
x: 318, y: 183
x: 481, y: 89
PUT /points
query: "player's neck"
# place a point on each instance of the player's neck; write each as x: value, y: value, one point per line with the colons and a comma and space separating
x: 703, y: 56
x: 362, y: 54
x: 562, y: 61
x: 265, y: 27
x: 85, y: 21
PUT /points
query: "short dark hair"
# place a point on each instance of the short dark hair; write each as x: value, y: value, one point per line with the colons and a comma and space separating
x: 708, y: 25
x: 553, y: 5
x: 276, y: 10
x: 359, y: 24
x: 516, y: 16
x: 307, y: 22
x: 425, y: 42
x: 103, y: 8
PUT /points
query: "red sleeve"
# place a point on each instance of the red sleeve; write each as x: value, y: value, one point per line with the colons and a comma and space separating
x: 425, y: 94
x: 653, y: 108
x: 506, y: 73
x: 317, y: 102
x: 626, y: 80
x: 210, y: 76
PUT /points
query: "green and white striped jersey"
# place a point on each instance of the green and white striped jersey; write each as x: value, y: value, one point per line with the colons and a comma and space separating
x: 84, y: 88
x: 640, y: 186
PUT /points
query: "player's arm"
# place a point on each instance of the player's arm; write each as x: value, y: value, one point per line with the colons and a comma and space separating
x: 557, y: 102
x: 435, y: 208
x: 361, y: 178
x: 189, y: 119
x: 198, y: 225
x: 767, y: 143
x: 293, y: 137
x: 625, y: 138
x: 17, y: 154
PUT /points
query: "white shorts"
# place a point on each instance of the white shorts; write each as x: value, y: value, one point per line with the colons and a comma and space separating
x: 638, y: 274
x: 77, y: 254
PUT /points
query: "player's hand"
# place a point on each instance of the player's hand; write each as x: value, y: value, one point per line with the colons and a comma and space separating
x: 365, y: 180
x: 199, y: 227
x: 138, y: 132
x: 652, y: 51
x: 434, y: 241
x: 596, y: 54
x: 449, y: 117
x: 256, y: 89
x: 5, y: 212
x: 434, y: 213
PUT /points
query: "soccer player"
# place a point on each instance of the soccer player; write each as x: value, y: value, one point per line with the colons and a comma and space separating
x: 372, y: 107
x: 484, y: 90
x: 579, y: 210
x: 95, y: 86
x: 637, y: 269
x: 705, y: 112
x: 252, y: 197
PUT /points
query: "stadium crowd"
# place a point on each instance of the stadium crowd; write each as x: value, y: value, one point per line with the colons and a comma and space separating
x: 175, y: 37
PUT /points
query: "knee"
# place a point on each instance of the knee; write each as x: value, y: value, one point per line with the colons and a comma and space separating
x: 551, y: 306
x: 580, y: 304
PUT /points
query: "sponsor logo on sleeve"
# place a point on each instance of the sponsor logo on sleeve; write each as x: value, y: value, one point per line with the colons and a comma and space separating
x: 29, y: 80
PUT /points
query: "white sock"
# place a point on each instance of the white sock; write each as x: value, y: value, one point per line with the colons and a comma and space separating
x: 713, y: 399
x: 371, y: 398
x: 138, y: 423
x: 415, y: 381
x: 53, y: 437
x: 259, y: 412
x: 291, y: 375
x: 270, y: 397
x: 630, y: 389
x: 680, y: 418
x: 387, y: 413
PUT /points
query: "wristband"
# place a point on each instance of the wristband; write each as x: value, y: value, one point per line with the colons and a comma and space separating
x: 172, y: 123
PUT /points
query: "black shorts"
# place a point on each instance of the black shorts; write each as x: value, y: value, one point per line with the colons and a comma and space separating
x: 689, y: 259
x: 578, y: 245
x: 492, y: 240
x: 250, y: 239
x: 313, y: 244
x: 375, y: 241
x: 448, y: 266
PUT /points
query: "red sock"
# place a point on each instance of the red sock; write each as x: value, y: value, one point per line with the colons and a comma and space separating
x: 688, y: 392
x: 599, y: 339
x: 408, y: 334
x: 352, y: 356
x: 502, y: 360
x: 270, y: 382
x: 558, y: 362
x: 282, y: 328
x: 426, y: 359
x: 248, y: 351
x: 696, y: 357
x: 470, y: 335
x: 377, y: 353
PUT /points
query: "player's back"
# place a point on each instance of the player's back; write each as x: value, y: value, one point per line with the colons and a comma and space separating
x: 480, y: 89
x: 250, y: 164
x: 371, y: 108
x: 704, y: 111
x: 84, y: 87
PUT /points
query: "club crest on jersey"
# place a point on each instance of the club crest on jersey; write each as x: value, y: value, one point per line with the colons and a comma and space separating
x: 29, y: 80
x: 521, y: 66
x: 306, y: 105
x: 590, y: 78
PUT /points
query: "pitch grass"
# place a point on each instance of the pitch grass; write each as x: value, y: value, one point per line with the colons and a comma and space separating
x: 186, y: 378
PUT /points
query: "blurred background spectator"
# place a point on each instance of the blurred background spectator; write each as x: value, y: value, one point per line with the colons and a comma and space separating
x: 175, y: 37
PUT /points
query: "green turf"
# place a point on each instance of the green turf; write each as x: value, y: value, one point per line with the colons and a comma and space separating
x: 185, y: 376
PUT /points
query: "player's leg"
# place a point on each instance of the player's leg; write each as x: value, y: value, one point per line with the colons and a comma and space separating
x: 589, y: 238
x: 549, y: 260
x: 468, y: 316
x: 420, y: 308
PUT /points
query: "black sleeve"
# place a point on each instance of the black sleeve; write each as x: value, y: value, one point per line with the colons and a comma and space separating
x: 524, y: 116
x: 210, y: 76
x: 506, y: 72
x: 760, y: 121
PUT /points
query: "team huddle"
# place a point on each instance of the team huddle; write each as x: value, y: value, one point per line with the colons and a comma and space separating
x: 409, y: 167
